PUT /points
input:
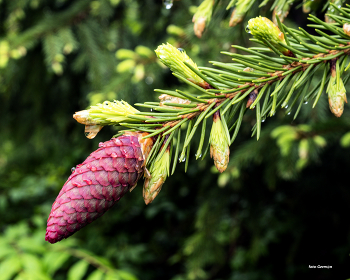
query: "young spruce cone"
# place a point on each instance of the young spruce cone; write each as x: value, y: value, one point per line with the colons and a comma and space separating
x: 97, y: 184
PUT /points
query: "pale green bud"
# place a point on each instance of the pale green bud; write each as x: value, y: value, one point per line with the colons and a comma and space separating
x: 285, y: 135
x: 219, y: 144
x: 59, y: 57
x: 175, y: 30
x: 345, y: 140
x: 144, y: 51
x: 125, y: 54
x: 263, y: 28
x: 57, y: 68
x: 4, y: 53
x: 202, y: 17
x: 281, y: 10
x: 174, y: 59
x: 320, y: 141
x: 126, y: 66
x: 310, y: 5
x: 242, y: 7
x: 336, y: 95
x: 158, y: 174
x: 139, y: 73
x: 303, y: 149
x: 68, y: 48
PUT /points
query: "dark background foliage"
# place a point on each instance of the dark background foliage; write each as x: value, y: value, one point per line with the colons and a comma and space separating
x: 266, y: 217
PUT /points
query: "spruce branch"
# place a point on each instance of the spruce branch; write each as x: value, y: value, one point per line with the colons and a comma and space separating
x: 278, y: 74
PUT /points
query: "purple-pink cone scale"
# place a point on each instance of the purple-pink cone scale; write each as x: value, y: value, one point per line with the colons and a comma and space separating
x: 95, y: 186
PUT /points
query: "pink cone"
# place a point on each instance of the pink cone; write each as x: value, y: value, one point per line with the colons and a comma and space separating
x: 95, y: 186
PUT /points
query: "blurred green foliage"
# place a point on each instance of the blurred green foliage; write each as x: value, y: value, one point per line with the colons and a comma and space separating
x: 281, y: 206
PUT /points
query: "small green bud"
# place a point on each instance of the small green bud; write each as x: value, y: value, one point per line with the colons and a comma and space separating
x: 127, y: 65
x: 336, y: 90
x: 310, y: 5
x: 320, y: 141
x: 202, y: 17
x: 219, y: 144
x: 303, y: 149
x: 336, y: 96
x: 242, y: 7
x: 158, y: 174
x: 345, y: 140
x: 306, y: 6
x: 175, y: 30
x: 139, y: 73
x: 281, y: 10
x: 57, y: 68
x: 144, y: 51
x: 68, y: 48
x: 263, y: 28
x: 174, y: 59
x: 4, y: 53
x: 59, y: 57
x: 125, y: 54
x: 285, y: 135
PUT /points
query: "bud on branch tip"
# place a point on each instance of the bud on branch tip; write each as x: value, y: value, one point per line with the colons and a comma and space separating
x: 174, y: 59
x: 202, y: 17
x: 219, y: 144
x: 159, y: 172
x: 107, y: 113
x: 264, y: 29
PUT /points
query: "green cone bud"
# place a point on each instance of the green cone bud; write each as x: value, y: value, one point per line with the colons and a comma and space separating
x: 158, y: 173
x: 174, y: 59
x: 336, y: 90
x: 219, y: 144
x: 202, y: 17
x: 264, y: 29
